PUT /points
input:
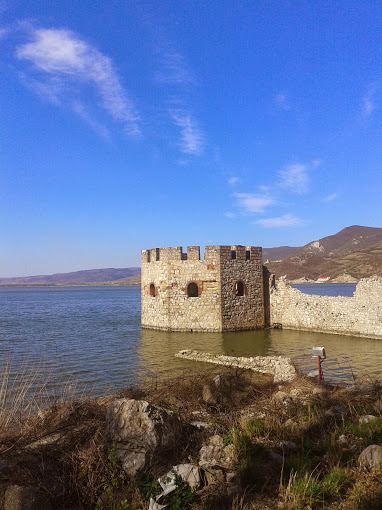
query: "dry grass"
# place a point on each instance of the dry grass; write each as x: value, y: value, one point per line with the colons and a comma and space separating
x: 76, y: 467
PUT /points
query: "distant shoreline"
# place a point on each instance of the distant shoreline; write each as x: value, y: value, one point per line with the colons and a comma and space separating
x: 322, y: 283
x: 100, y: 284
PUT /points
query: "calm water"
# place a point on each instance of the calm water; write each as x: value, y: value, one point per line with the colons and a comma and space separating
x: 92, y: 335
x: 327, y: 289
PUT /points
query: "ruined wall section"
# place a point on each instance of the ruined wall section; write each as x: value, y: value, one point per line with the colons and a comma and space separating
x: 170, y: 271
x: 242, y: 264
x: 360, y: 315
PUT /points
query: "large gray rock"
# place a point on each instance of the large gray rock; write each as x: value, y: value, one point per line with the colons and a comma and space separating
x: 336, y: 412
x: 25, y: 498
x: 139, y: 430
x: 371, y: 457
x: 215, y: 454
x: 187, y: 472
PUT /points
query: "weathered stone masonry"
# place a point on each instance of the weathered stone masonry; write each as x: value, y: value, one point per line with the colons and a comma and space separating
x: 360, y: 315
x: 222, y: 292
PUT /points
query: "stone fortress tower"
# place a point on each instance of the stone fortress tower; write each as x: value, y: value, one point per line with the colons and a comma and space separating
x: 222, y: 292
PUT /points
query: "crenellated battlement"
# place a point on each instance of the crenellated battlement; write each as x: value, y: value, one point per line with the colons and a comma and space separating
x: 219, y: 252
x: 221, y: 292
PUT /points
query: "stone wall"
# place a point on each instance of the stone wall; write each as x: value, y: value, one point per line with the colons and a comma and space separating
x: 167, y: 272
x: 247, y: 311
x: 360, y: 315
x: 170, y: 271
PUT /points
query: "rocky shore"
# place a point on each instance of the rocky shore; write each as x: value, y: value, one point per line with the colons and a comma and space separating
x: 230, y: 439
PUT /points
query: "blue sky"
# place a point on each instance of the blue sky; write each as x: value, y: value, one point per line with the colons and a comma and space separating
x: 130, y: 125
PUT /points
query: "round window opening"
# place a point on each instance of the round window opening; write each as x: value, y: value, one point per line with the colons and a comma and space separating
x: 152, y: 290
x: 192, y: 290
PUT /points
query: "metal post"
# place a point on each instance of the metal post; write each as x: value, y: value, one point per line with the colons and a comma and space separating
x: 319, y: 353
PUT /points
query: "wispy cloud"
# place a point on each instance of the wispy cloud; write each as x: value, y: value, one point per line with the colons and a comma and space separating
x: 191, y: 137
x: 330, y: 197
x: 368, y: 106
x: 369, y: 102
x: 233, y: 180
x: 252, y: 202
x: 66, y: 63
x: 173, y: 69
x: 294, y: 178
x: 229, y: 214
x: 286, y: 220
x: 4, y: 32
x: 97, y: 127
x: 281, y: 101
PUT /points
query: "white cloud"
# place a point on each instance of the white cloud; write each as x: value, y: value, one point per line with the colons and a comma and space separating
x: 330, y: 197
x: 252, y: 202
x: 287, y: 220
x: 174, y: 70
x: 233, y: 180
x: 369, y: 103
x: 281, y: 101
x: 191, y: 138
x: 97, y: 127
x: 371, y: 100
x: 61, y: 55
x: 4, y: 32
x: 229, y: 214
x: 368, y: 106
x: 294, y: 178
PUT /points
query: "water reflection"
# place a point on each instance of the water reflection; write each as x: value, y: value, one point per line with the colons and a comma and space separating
x: 345, y: 355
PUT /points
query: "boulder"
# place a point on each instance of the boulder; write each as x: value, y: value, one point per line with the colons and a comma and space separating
x: 208, y: 395
x: 275, y: 458
x: 288, y: 445
x: 371, y: 457
x: 139, y: 430
x: 214, y: 476
x: 215, y: 454
x: 280, y: 396
x: 187, y: 472
x: 201, y: 425
x: 291, y: 425
x: 336, y: 412
x: 343, y: 439
x: 319, y: 392
x: 368, y: 418
x: 25, y: 498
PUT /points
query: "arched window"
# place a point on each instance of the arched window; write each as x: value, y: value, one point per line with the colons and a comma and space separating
x: 192, y: 290
x: 233, y: 254
x: 152, y: 290
x: 239, y: 288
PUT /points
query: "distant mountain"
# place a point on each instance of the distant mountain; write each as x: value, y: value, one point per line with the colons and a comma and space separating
x: 278, y: 253
x: 355, y: 250
x: 89, y: 276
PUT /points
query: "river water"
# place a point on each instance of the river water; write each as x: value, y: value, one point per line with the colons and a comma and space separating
x: 91, y: 337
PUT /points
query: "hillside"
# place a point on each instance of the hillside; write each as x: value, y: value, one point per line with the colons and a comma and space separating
x: 86, y: 277
x: 355, y: 250
x: 278, y: 253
